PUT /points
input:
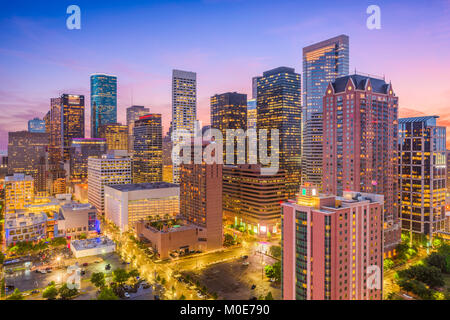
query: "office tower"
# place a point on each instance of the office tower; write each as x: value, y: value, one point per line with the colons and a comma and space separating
x: 3, y: 167
x: 251, y: 200
x: 332, y: 246
x: 36, y: 125
x: 148, y: 154
x: 26, y: 153
x: 72, y: 121
x: 255, y: 87
x: 55, y: 152
x: 252, y: 113
x: 167, y: 159
x: 19, y: 192
x: 448, y: 172
x: 81, y: 149
x: 133, y: 114
x: 128, y: 203
x: 279, y: 107
x: 116, y: 136
x: 422, y: 176
x: 184, y: 108
x: 103, y: 101
x: 201, y: 199
x: 47, y: 121
x: 110, y: 169
x: 229, y: 112
x: 360, y: 134
x: 323, y: 62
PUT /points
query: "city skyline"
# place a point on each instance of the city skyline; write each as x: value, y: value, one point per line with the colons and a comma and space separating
x: 30, y: 53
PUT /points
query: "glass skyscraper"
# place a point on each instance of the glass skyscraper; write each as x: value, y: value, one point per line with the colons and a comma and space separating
x: 323, y: 62
x: 103, y: 101
x: 36, y: 125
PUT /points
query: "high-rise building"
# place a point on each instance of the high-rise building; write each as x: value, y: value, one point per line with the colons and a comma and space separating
x: 201, y: 200
x: 360, y: 134
x: 229, y: 111
x: 251, y: 200
x: 81, y: 150
x: 133, y: 114
x: 47, y: 121
x: 252, y: 114
x: 448, y: 172
x: 27, y: 154
x: 110, y: 169
x: 103, y: 101
x: 19, y: 192
x: 167, y: 159
x: 55, y: 152
x: 36, y: 125
x: 332, y: 246
x: 184, y: 108
x: 255, y: 87
x: 115, y: 134
x: 422, y: 176
x: 147, y: 144
x: 323, y: 62
x: 72, y: 121
x: 279, y: 107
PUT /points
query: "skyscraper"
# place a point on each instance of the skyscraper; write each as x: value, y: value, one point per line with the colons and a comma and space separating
x: 360, y: 134
x: 323, y: 62
x: 81, y: 150
x: 103, y: 101
x: 19, y: 192
x: 332, y: 246
x: 279, y: 107
x: 72, y: 121
x: 184, y: 107
x: 147, y: 155
x: 133, y: 114
x: 36, y: 125
x: 229, y: 111
x: 422, y: 176
x: 255, y: 87
x: 26, y: 153
x: 116, y: 136
x: 252, y: 114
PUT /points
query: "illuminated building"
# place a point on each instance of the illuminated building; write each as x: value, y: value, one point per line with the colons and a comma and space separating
x: 360, y: 136
x: 81, y: 150
x: 201, y: 200
x: 81, y: 192
x: 19, y: 192
x: 448, y: 172
x: 36, y: 125
x: 184, y: 107
x: 116, y: 136
x: 167, y: 170
x: 251, y: 200
x: 323, y: 62
x: 47, y: 121
x: 255, y: 87
x: 72, y: 121
x: 25, y: 226
x: 229, y: 111
x: 27, y: 154
x: 133, y: 114
x: 252, y: 114
x: 103, y: 101
x: 422, y: 175
x: 147, y: 144
x: 332, y: 246
x: 127, y: 204
x: 111, y: 169
x: 279, y: 107
x: 75, y: 219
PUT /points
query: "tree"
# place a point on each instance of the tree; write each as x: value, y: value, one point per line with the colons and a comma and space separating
x: 107, y: 294
x: 277, y: 270
x: 59, y: 241
x: 437, y: 260
x: 2, y: 258
x: 120, y: 276
x: 16, y: 295
x: 50, y: 293
x: 66, y: 293
x: 228, y: 240
x: 388, y: 264
x: 182, y: 297
x: 133, y: 274
x: 275, y: 251
x: 269, y: 296
x: 98, y: 279
x: 269, y: 271
x: 429, y: 275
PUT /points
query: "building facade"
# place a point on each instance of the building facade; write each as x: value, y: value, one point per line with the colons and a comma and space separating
x: 19, y: 192
x: 148, y: 153
x: 116, y: 136
x: 103, y: 101
x: 323, y: 62
x: 36, y: 125
x: 422, y: 175
x: 81, y: 150
x: 72, y: 121
x: 251, y: 200
x: 133, y: 114
x: 332, y: 246
x: 360, y: 136
x: 252, y: 114
x: 279, y: 107
x: 110, y: 169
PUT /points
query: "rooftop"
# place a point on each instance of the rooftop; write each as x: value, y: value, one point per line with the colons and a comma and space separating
x: 418, y: 119
x: 92, y: 243
x: 378, y: 85
x: 144, y: 186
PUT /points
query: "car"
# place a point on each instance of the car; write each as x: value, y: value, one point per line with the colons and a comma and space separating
x: 127, y: 295
x: 245, y: 263
x: 253, y: 287
x: 272, y: 280
x: 108, y: 267
x: 244, y: 257
x: 35, y: 291
x: 85, y: 264
x: 146, y: 286
x: 10, y: 288
x: 156, y: 297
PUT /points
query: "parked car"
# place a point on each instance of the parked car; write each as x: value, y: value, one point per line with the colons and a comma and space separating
x: 245, y: 263
x: 85, y: 264
x: 253, y: 287
x: 35, y: 291
x: 127, y: 295
x: 108, y: 267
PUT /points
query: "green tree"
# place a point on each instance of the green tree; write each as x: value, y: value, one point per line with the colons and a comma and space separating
x: 50, y: 293
x: 66, y: 293
x: 437, y: 260
x: 98, y: 279
x: 2, y: 258
x: 277, y: 270
x: 59, y: 241
x: 107, y: 294
x: 269, y: 296
x: 120, y: 276
x: 16, y: 295
x: 228, y: 240
x: 275, y: 251
x: 182, y: 297
x: 429, y: 275
x: 269, y: 271
x: 388, y: 264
